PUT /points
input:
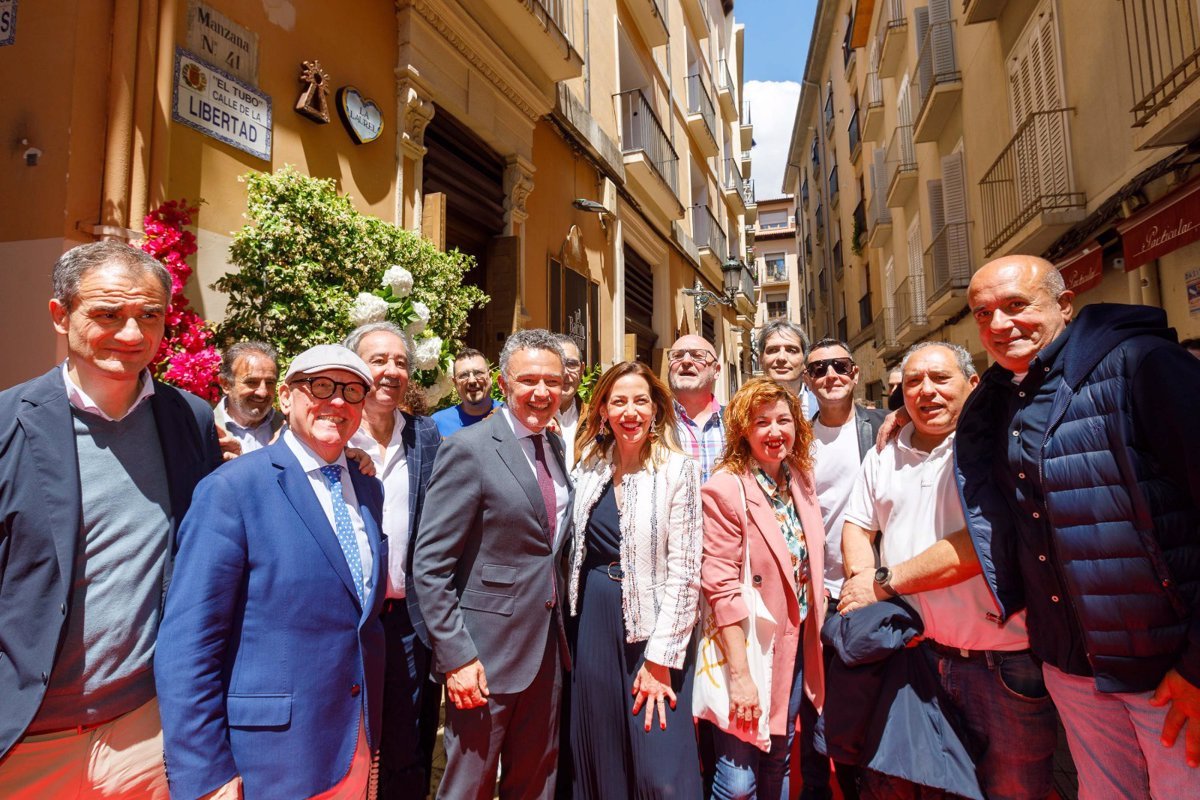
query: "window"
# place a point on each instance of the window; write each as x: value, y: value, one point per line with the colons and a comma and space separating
x: 776, y: 267
x: 639, y: 304
x: 772, y: 219
x: 575, y: 309
x: 776, y: 306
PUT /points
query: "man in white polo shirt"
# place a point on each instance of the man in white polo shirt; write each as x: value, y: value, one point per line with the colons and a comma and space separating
x: 908, y: 493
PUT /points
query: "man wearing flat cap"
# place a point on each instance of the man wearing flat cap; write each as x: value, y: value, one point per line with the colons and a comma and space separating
x: 270, y: 660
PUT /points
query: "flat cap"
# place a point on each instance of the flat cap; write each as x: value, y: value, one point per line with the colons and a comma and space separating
x: 328, y: 356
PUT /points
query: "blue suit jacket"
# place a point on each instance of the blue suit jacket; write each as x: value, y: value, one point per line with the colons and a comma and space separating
x: 421, y: 441
x: 40, y: 519
x: 266, y: 659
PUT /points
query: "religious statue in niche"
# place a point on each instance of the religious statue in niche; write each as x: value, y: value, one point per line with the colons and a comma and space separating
x: 314, y: 100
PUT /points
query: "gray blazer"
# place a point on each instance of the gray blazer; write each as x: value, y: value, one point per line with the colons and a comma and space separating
x: 488, y: 583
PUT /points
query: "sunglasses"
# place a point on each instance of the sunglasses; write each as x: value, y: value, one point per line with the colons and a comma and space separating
x: 323, y: 389
x: 842, y: 366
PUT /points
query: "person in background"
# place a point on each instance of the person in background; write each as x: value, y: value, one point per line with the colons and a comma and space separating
x: 473, y: 381
x: 635, y: 585
x: 402, y: 447
x: 692, y: 370
x: 271, y: 657
x: 892, y: 399
x: 99, y: 465
x: 567, y: 418
x: 763, y: 491
x: 248, y: 375
x: 781, y: 349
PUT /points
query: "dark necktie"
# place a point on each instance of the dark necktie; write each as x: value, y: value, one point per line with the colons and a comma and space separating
x: 546, y: 485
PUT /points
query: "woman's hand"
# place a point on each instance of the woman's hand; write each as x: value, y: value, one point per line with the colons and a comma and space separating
x: 651, y: 686
x: 744, y: 710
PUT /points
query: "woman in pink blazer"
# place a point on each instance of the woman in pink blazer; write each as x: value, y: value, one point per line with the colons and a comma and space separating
x: 767, y: 452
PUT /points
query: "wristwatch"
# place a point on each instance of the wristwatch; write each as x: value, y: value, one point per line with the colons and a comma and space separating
x: 883, y: 577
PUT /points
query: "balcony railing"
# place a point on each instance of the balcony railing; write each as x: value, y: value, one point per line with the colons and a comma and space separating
x: 936, y: 62
x: 910, y: 306
x: 878, y: 212
x: 641, y: 130
x: 700, y: 102
x: 855, y: 137
x: 1032, y: 175
x: 559, y: 12
x: 748, y: 192
x: 733, y: 178
x: 725, y: 80
x: 829, y: 110
x: 874, y: 91
x: 885, y: 329
x: 948, y: 261
x: 901, y: 153
x: 833, y: 186
x: 707, y: 232
x: 1163, y: 38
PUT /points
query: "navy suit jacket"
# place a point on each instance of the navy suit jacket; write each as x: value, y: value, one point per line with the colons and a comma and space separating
x: 266, y: 659
x: 41, y: 517
x: 421, y: 441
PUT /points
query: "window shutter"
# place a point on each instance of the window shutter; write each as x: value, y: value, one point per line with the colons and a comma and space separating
x: 942, y: 38
x: 924, y: 65
x: 889, y: 299
x: 954, y: 201
x: 916, y: 271
x: 938, y: 256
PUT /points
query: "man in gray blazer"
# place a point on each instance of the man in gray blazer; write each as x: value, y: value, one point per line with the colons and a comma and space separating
x: 488, y: 567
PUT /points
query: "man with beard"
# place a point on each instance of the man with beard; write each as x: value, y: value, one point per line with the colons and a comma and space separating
x: 402, y: 448
x: 692, y: 370
x: 249, y: 372
x: 781, y: 349
x: 473, y: 382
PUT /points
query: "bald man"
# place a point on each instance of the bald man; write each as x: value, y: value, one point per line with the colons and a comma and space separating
x: 692, y: 370
x: 1078, y: 460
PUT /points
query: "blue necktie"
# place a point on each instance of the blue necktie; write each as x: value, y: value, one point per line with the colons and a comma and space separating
x: 343, y: 527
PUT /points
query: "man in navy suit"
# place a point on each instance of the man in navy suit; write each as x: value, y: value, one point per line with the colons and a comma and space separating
x: 489, y: 578
x: 402, y: 447
x: 270, y: 662
x: 97, y: 466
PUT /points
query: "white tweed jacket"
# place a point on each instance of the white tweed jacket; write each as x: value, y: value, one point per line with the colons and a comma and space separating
x: 661, y: 537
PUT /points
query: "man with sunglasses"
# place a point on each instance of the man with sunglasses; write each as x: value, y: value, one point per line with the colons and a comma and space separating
x: 843, y: 434
x: 692, y: 370
x: 270, y: 661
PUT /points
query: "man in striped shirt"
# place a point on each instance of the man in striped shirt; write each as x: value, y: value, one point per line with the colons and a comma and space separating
x: 692, y: 370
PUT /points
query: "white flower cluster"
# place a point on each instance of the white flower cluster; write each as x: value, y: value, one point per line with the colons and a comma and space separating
x: 368, y: 308
x: 400, y: 280
x: 426, y: 353
x: 418, y: 324
x: 440, y: 388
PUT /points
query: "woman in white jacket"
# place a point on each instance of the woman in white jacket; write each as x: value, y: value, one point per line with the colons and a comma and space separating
x: 635, y: 585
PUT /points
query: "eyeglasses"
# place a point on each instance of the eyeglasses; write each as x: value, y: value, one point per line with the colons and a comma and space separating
x: 323, y: 389
x: 474, y: 374
x: 842, y: 366
x: 572, y: 363
x: 699, y: 356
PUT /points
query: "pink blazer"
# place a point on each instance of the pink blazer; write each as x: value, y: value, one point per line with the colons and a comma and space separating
x: 726, y: 521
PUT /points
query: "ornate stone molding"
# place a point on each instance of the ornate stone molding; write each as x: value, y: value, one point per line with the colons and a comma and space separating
x: 415, y: 109
x: 455, y: 38
x: 518, y: 185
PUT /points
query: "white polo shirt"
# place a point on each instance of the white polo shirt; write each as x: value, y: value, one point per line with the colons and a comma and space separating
x: 911, y: 496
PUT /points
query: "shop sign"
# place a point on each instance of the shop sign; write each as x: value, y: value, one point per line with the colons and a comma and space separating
x: 1083, y: 270
x: 8, y: 22
x: 1162, y: 228
x: 1193, y: 290
x: 362, y: 117
x: 219, y: 105
x: 220, y: 41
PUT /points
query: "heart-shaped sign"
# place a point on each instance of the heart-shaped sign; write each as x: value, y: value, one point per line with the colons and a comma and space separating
x: 363, y: 118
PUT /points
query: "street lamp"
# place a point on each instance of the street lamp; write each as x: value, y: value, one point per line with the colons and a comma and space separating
x: 703, y: 298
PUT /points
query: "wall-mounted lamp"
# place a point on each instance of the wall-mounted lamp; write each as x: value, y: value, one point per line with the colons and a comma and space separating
x: 592, y: 207
x: 703, y: 298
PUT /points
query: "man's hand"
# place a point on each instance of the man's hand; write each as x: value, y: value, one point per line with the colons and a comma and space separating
x: 365, y: 465
x: 1184, y: 699
x: 891, y: 426
x: 467, y: 685
x: 859, y: 591
x: 231, y: 448
x: 230, y: 791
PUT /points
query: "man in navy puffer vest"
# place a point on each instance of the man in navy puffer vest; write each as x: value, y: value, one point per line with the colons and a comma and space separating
x: 1078, y: 463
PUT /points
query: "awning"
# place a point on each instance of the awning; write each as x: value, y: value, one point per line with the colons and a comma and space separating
x: 1164, y: 226
x: 1084, y: 268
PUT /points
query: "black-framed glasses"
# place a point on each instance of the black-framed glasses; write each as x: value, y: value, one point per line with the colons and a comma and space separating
x: 842, y: 366
x: 472, y: 374
x: 699, y: 356
x: 323, y: 389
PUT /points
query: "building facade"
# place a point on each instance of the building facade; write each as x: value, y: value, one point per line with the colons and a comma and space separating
x: 965, y: 130
x: 587, y: 153
x: 782, y: 289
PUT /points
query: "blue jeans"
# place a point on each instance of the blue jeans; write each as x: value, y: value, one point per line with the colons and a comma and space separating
x: 743, y: 771
x: 1114, y: 740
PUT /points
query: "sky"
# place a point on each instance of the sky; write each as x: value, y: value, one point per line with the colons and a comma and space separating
x: 776, y: 39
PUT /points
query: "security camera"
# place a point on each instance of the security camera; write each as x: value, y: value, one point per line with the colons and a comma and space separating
x: 32, y: 154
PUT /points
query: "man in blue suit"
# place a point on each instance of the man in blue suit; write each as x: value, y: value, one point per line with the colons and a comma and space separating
x: 270, y: 662
x: 97, y: 466
x: 402, y: 447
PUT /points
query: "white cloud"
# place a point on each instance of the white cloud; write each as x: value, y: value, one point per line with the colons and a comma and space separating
x: 772, y: 111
